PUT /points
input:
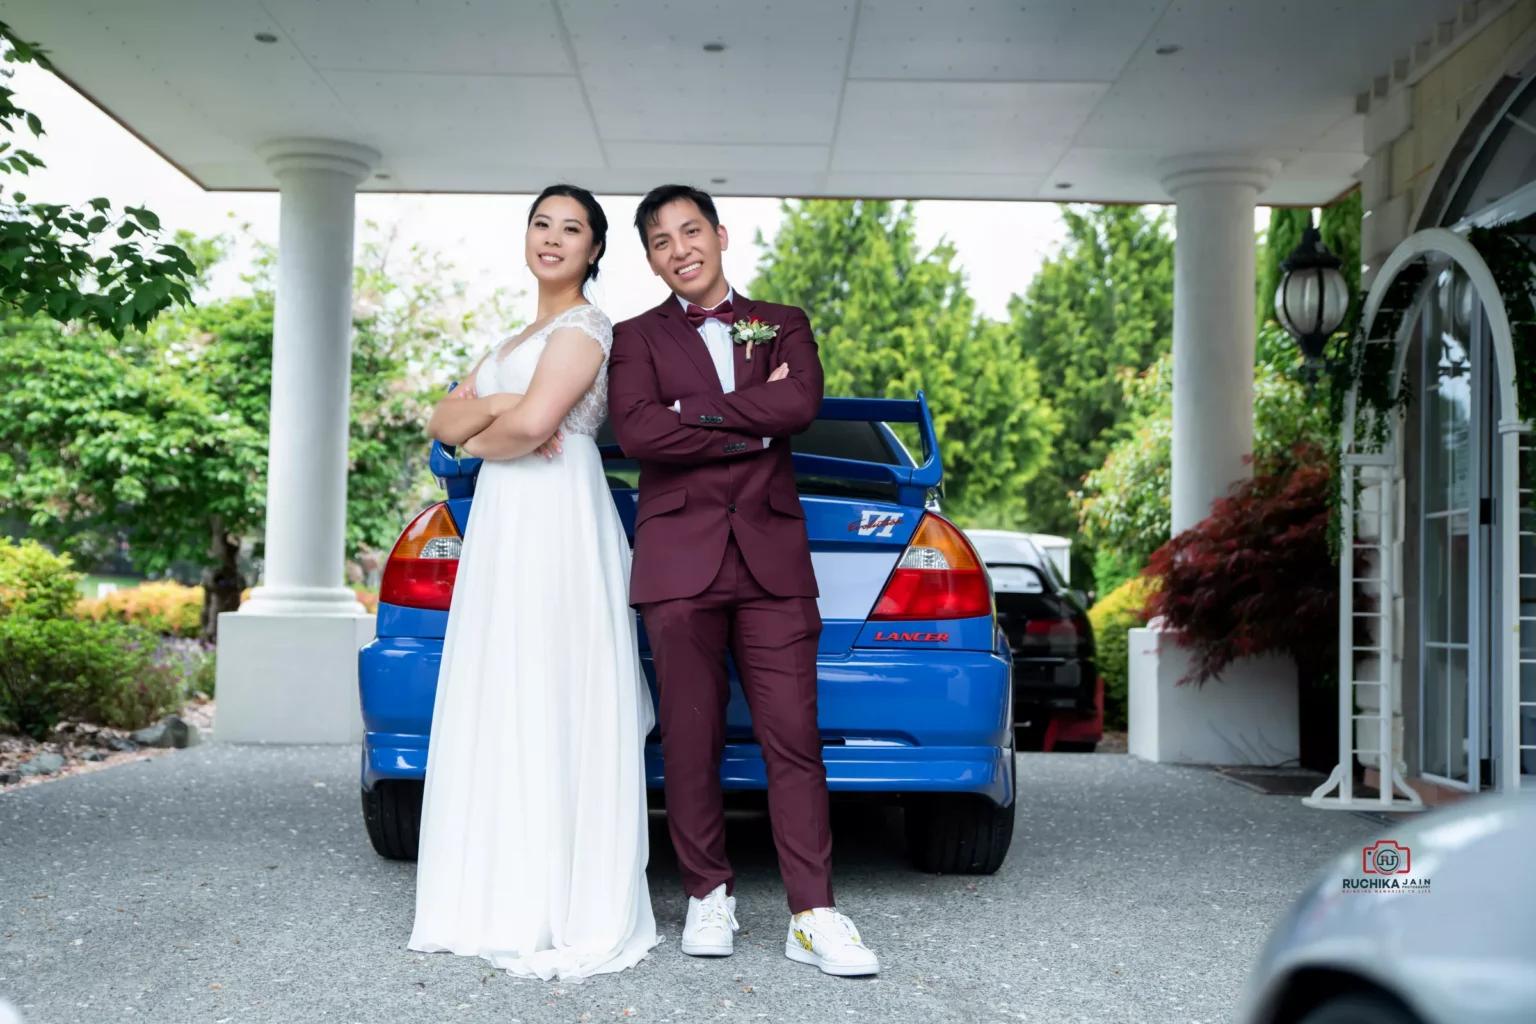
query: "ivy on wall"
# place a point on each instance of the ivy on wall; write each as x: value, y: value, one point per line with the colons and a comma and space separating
x: 1509, y: 250
x: 1364, y: 366
x: 1511, y: 258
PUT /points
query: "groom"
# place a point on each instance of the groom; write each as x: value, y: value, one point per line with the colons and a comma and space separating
x: 705, y: 391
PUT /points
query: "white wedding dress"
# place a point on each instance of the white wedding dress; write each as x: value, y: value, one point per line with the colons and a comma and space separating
x: 533, y: 830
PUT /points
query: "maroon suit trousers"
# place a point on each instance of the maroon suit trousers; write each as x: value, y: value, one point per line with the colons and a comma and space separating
x: 773, y: 640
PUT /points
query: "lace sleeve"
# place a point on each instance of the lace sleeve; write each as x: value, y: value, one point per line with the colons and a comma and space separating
x: 587, y: 416
x: 594, y: 323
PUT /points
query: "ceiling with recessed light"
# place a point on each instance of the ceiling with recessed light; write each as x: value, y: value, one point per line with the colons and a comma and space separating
x: 870, y: 98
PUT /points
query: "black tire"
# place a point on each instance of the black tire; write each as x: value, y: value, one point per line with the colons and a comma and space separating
x: 392, y: 812
x: 958, y: 835
x: 1360, y: 1008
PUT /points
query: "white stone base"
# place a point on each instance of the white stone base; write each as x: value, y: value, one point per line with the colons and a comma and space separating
x: 1248, y: 716
x: 290, y: 678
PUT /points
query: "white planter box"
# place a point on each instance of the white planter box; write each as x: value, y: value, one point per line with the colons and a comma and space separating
x: 290, y: 678
x: 1248, y: 716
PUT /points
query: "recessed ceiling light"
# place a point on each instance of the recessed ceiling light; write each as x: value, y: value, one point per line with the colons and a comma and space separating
x: 1168, y: 49
x: 715, y: 47
x: 717, y: 181
x: 1063, y: 184
x: 265, y: 37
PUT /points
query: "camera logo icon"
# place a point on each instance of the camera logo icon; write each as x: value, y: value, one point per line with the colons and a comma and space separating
x: 1386, y: 857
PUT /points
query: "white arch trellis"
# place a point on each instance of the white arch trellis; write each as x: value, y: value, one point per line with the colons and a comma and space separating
x: 1369, y: 514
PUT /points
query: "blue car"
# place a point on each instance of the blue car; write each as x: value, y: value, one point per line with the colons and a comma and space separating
x: 914, y: 674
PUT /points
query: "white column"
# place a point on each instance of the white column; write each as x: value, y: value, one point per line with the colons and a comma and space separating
x: 287, y: 666
x: 1249, y: 715
x: 311, y: 375
x: 1213, y: 325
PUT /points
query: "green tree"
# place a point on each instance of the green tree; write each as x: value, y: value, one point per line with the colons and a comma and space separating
x: 890, y: 321
x: 1124, y: 506
x: 1284, y: 234
x: 162, y: 436
x: 138, y: 437
x: 1340, y: 228
x: 414, y: 330
x: 1100, y: 306
x: 61, y: 261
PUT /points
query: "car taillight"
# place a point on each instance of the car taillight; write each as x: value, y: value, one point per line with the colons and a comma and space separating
x: 422, y: 567
x: 938, y: 577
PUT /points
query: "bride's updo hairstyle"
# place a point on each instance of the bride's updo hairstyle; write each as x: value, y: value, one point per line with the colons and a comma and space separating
x: 596, y: 219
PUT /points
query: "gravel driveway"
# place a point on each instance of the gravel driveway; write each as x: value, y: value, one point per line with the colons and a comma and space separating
x: 235, y: 884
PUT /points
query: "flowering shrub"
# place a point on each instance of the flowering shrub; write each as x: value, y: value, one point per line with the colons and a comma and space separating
x: 34, y: 582
x: 168, y: 608
x: 102, y: 672
x: 1113, y: 617
x: 1255, y: 577
x: 164, y: 607
x: 192, y: 661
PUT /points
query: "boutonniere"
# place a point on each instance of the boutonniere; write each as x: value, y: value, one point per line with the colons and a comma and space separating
x: 752, y: 333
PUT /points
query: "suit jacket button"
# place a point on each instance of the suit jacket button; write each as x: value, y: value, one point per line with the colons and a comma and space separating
x: 730, y: 508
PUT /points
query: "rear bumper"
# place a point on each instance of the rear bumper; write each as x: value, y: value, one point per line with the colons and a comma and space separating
x: 1054, y: 685
x: 1063, y: 697
x: 979, y: 770
x: 1078, y: 726
x: 893, y: 721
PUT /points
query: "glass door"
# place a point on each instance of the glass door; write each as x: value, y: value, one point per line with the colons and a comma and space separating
x: 1452, y: 660
x: 1488, y: 580
x: 1525, y: 726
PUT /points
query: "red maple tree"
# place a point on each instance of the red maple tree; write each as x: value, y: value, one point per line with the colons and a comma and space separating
x: 1256, y: 577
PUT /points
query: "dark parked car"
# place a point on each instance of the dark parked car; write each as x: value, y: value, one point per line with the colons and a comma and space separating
x: 1058, y: 696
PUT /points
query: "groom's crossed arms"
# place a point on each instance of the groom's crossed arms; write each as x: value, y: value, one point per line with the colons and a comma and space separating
x: 774, y: 408
x: 644, y: 425
x: 710, y: 427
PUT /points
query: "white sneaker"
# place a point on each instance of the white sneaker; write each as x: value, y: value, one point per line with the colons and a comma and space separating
x: 828, y: 940
x: 711, y: 927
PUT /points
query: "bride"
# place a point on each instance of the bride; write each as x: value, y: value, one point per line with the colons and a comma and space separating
x: 533, y: 831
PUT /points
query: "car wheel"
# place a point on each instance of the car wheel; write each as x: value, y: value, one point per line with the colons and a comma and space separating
x: 948, y: 834
x: 1360, y: 1008
x: 392, y: 812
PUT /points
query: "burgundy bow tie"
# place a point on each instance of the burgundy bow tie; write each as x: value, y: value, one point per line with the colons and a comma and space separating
x: 723, y: 312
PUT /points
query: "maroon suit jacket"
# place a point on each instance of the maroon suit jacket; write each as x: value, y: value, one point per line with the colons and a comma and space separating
x: 704, y: 473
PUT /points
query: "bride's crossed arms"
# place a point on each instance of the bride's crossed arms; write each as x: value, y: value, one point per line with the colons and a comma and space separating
x: 508, y: 426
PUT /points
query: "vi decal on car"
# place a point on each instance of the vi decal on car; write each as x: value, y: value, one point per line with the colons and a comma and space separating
x: 874, y: 523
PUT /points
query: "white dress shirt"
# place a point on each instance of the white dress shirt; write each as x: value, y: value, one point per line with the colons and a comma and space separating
x: 717, y: 338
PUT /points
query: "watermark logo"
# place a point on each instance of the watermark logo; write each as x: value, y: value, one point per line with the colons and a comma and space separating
x: 1386, y: 866
x: 1386, y: 857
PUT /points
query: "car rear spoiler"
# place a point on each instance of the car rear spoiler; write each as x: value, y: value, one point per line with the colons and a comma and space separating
x: 912, y: 482
x: 457, y: 476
